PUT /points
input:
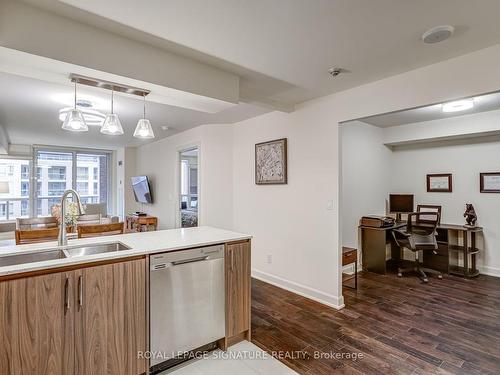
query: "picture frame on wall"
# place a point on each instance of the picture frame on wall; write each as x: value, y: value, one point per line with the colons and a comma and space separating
x: 440, y: 183
x: 271, y: 162
x: 489, y: 182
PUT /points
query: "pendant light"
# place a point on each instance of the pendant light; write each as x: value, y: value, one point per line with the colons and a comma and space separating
x: 112, y: 124
x: 74, y: 120
x: 144, y: 129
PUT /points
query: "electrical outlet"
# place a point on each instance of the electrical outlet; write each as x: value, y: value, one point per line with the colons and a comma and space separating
x: 269, y: 259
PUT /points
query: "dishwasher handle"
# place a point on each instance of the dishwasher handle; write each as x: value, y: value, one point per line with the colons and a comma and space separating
x: 192, y: 260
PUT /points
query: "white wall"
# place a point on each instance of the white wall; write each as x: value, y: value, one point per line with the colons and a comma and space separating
x: 365, y: 176
x: 310, y: 263
x: 159, y: 161
x: 465, y: 161
x: 371, y: 171
x: 292, y: 221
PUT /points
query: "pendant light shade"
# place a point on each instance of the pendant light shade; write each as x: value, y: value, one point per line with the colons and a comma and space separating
x: 74, y: 120
x: 112, y: 124
x: 144, y: 129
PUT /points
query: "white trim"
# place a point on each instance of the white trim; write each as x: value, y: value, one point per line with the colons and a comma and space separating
x: 490, y: 271
x: 302, y: 290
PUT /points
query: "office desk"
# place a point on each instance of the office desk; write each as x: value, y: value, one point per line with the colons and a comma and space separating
x: 374, y: 241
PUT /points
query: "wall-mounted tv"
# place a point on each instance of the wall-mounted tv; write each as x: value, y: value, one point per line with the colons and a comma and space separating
x: 142, y: 190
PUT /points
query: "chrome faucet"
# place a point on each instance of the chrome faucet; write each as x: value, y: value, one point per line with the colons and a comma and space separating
x: 61, y: 239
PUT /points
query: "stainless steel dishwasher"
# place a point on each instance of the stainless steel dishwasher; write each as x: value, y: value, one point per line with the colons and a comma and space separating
x: 186, y: 301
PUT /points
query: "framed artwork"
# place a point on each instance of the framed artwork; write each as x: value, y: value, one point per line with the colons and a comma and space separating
x: 439, y: 183
x: 489, y: 182
x: 271, y: 162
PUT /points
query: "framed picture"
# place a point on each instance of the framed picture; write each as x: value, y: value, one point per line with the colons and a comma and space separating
x: 489, y: 182
x: 271, y: 162
x: 439, y: 183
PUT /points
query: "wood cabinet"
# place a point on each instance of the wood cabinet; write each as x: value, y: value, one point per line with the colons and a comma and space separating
x: 238, y: 286
x: 33, y: 325
x: 111, y: 321
x: 85, y: 321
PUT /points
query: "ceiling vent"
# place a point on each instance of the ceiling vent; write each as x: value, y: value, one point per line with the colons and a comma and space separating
x: 437, y: 34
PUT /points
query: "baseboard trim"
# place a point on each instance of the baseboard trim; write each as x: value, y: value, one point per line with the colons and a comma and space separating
x: 302, y: 290
x: 490, y: 271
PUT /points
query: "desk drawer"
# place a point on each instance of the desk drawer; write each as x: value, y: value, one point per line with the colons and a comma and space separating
x: 349, y: 258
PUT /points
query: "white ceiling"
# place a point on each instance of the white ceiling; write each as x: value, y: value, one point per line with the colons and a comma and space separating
x: 296, y: 41
x: 482, y: 103
x: 280, y: 49
x: 29, y: 113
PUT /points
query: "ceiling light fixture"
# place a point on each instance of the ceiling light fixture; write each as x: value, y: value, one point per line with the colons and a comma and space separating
x: 91, y: 116
x: 437, y: 34
x: 144, y: 129
x: 74, y: 120
x: 112, y: 124
x: 457, y: 106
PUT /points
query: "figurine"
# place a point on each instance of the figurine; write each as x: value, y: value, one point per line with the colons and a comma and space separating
x: 470, y: 216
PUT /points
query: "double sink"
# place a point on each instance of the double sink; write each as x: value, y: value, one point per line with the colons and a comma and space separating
x: 67, y: 252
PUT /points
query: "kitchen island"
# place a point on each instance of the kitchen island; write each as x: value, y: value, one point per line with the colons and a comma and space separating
x: 89, y: 313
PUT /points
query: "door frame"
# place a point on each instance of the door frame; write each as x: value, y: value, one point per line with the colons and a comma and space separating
x: 181, y: 149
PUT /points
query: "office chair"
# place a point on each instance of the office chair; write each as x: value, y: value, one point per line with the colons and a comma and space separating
x: 419, y: 236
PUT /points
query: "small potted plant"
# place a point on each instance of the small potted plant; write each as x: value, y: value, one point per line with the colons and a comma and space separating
x: 71, y: 217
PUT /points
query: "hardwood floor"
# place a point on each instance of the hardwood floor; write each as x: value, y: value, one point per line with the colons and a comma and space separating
x: 400, y: 326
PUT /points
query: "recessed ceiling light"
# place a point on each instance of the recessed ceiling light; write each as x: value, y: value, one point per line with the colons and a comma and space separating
x: 459, y: 105
x: 437, y: 34
x: 165, y: 127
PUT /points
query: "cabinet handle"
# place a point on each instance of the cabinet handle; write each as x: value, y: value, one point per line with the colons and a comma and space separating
x: 232, y: 261
x: 66, y: 295
x: 80, y: 291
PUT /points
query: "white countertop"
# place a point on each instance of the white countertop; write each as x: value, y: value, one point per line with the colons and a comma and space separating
x: 140, y: 244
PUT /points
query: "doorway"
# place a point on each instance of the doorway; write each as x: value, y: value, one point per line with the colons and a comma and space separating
x: 189, y: 187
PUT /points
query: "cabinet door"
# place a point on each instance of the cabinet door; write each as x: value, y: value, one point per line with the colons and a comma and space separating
x: 237, y: 288
x: 111, y: 320
x: 36, y: 325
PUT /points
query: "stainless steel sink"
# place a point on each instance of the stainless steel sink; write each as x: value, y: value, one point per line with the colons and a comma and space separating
x: 79, y: 251
x: 10, y: 260
x: 68, y: 252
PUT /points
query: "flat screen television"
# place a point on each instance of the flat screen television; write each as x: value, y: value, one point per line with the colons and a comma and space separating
x: 142, y: 190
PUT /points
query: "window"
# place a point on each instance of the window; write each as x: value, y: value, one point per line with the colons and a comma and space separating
x: 82, y: 188
x: 25, y: 171
x: 92, y: 173
x: 25, y: 209
x: 17, y: 173
x: 56, y: 188
x: 54, y: 169
x: 82, y: 173
x: 25, y: 188
x: 57, y: 173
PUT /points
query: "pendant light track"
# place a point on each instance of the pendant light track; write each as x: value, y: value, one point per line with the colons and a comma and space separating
x: 108, y: 85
